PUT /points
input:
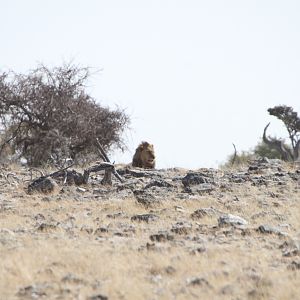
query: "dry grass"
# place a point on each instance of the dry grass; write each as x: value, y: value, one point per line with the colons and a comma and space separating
x: 74, y: 259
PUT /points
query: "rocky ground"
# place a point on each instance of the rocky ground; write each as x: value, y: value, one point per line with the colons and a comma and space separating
x: 161, y: 234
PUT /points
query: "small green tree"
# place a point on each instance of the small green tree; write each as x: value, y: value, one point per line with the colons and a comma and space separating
x: 292, y: 123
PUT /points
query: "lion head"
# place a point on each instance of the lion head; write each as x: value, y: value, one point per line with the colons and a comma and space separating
x: 144, y: 156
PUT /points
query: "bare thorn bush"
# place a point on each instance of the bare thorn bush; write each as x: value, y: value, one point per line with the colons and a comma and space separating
x: 47, y: 116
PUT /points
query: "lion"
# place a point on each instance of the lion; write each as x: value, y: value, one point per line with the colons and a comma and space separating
x: 144, y: 156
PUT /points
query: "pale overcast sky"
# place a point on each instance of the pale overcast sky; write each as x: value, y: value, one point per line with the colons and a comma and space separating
x: 194, y: 76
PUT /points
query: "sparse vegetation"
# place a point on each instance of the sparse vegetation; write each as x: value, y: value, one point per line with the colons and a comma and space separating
x: 47, y: 116
x: 292, y: 123
x: 238, y: 159
x: 264, y: 150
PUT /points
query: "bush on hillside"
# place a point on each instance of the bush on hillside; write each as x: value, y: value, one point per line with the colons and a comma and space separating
x: 47, y: 116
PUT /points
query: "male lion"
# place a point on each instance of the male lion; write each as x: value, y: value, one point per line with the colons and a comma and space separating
x: 144, y: 156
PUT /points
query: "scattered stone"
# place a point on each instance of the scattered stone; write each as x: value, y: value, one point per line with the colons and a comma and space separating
x: 145, y: 218
x: 80, y: 189
x: 159, y: 183
x: 231, y: 220
x: 145, y: 198
x: 170, y: 270
x: 265, y: 165
x: 202, y: 212
x: 39, y: 217
x: 33, y: 291
x: 179, y: 208
x: 195, y: 178
x: 43, y: 185
x: 181, y: 228
x: 198, y: 281
x: 71, y: 278
x: 291, y: 248
x: 294, y: 265
x: 200, y: 189
x: 87, y: 229
x: 270, y: 230
x: 97, y: 297
x: 99, y: 231
x: 138, y: 173
x: 227, y: 290
x: 115, y: 216
x: 161, y: 237
x: 239, y: 177
x: 46, y: 227
x: 46, y: 199
x: 198, y: 250
x: 6, y: 205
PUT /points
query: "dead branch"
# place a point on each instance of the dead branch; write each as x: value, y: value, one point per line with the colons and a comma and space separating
x: 36, y: 170
x: 107, y: 166
x: 14, y: 134
x: 234, y: 155
x: 13, y: 176
x: 102, y: 152
x: 278, y: 145
x: 59, y: 171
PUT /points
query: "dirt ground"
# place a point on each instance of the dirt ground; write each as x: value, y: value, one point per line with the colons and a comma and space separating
x: 231, y: 234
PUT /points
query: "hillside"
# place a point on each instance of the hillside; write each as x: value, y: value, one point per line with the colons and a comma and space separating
x: 162, y: 234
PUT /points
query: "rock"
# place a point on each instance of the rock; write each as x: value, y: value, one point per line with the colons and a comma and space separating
x: 197, y: 281
x: 39, y: 217
x: 269, y: 230
x: 138, y: 173
x: 145, y: 198
x: 99, y: 231
x: 227, y: 290
x: 80, y: 189
x: 195, y: 178
x: 162, y: 236
x: 116, y: 215
x: 87, y: 229
x: 145, y: 218
x: 32, y: 291
x: 294, y: 265
x: 43, y: 185
x: 170, y: 270
x: 200, y: 189
x: 202, y: 212
x: 46, y: 227
x: 198, y: 250
x: 181, y: 228
x: 97, y: 297
x: 159, y: 183
x: 239, y: 177
x: 71, y: 278
x: 291, y: 248
x: 231, y: 220
x: 265, y: 165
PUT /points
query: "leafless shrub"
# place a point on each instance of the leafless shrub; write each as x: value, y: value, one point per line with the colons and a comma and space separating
x: 47, y: 116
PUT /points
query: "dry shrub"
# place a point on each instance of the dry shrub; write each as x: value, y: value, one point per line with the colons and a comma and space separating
x: 47, y: 115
